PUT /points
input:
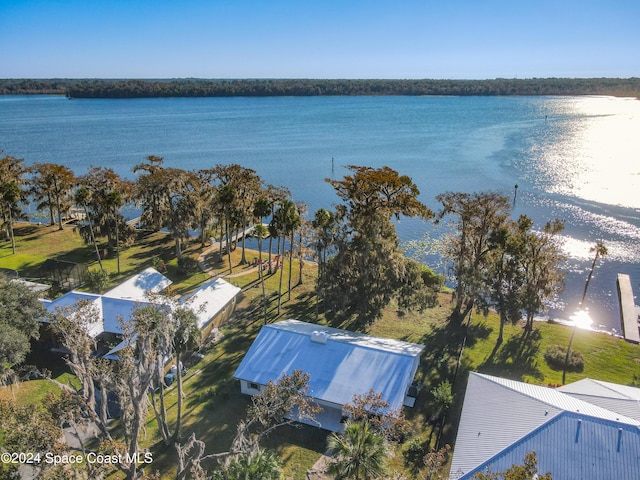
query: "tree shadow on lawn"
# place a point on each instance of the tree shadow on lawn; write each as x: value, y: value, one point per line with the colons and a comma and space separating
x: 30, y: 233
x: 302, y: 307
x: 516, y: 357
x: 443, y: 345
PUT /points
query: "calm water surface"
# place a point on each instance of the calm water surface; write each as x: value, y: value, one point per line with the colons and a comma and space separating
x: 573, y: 158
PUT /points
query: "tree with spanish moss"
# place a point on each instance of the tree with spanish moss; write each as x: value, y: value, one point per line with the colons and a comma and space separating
x: 51, y: 187
x: 108, y: 192
x: 170, y: 198
x: 269, y: 411
x: 9, y: 198
x: 12, y: 181
x: 541, y: 262
x: 476, y: 217
x: 368, y: 268
x: 20, y: 311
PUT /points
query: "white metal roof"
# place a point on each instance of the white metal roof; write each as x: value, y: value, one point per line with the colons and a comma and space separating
x: 117, y: 304
x: 137, y: 287
x: 598, y: 388
x: 208, y: 300
x: 618, y: 398
x: 340, y: 364
x: 498, y: 412
x: 68, y: 300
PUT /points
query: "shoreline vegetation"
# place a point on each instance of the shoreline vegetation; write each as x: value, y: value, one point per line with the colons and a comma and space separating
x: 213, y: 399
x: 194, y: 87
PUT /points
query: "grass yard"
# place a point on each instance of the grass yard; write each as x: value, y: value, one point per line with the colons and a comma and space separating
x: 214, y: 405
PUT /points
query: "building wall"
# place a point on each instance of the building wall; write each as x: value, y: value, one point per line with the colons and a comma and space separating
x: 328, y: 419
x: 221, y: 317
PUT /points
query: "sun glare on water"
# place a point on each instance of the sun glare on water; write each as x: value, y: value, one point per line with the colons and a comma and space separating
x: 599, y: 159
x: 582, y: 319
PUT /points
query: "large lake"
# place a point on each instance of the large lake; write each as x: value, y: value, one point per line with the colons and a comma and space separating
x: 573, y: 158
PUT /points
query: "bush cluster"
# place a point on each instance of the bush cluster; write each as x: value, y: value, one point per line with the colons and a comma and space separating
x: 555, y: 356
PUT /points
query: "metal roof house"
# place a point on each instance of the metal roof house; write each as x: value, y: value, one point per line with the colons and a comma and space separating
x: 210, y: 301
x: 617, y: 398
x: 340, y: 364
x: 502, y: 420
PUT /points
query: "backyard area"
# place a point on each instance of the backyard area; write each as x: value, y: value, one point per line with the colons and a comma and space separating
x: 214, y: 405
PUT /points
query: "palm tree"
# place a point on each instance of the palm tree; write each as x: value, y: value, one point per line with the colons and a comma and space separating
x: 288, y: 220
x: 226, y: 197
x: 302, y: 228
x: 291, y: 221
x: 359, y: 453
x: 114, y: 201
x: 256, y: 465
x: 82, y: 197
x: 274, y: 196
x: 203, y: 200
x: 601, y: 250
x: 260, y: 232
x: 323, y: 224
x: 108, y: 193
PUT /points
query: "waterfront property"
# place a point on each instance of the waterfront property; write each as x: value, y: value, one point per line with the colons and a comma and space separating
x: 340, y: 364
x: 212, y: 303
x: 587, y: 430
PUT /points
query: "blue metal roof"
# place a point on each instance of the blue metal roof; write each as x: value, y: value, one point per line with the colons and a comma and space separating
x: 340, y: 365
x: 575, y: 446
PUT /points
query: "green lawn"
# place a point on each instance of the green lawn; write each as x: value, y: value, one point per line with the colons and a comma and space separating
x: 214, y: 405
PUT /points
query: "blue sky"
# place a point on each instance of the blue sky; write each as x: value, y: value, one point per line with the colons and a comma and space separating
x: 319, y: 39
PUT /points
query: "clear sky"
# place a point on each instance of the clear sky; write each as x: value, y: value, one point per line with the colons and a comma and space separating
x: 319, y: 39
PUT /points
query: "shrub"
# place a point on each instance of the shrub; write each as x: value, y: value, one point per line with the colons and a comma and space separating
x: 159, y: 264
x: 97, y: 280
x: 413, y: 453
x: 187, y: 265
x: 432, y: 279
x: 555, y: 355
x: 443, y: 394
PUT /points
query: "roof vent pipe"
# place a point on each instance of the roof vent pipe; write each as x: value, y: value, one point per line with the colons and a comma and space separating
x: 619, y: 439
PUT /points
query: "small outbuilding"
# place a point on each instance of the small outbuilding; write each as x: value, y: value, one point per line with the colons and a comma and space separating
x: 340, y: 364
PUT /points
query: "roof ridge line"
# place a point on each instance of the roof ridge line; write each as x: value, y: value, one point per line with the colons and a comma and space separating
x: 628, y: 420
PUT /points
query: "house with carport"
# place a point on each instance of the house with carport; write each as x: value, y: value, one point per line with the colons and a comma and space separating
x: 340, y: 364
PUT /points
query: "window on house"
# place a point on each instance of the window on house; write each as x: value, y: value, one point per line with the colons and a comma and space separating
x: 254, y: 386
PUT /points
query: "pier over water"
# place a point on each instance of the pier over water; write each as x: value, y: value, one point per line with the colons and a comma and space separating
x: 629, y: 312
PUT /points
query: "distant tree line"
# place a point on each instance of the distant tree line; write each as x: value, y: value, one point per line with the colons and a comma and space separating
x: 135, y: 88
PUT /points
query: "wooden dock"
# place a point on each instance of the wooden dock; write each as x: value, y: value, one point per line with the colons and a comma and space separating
x: 629, y: 312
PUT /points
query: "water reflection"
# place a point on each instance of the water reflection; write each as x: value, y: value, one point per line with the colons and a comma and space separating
x: 593, y: 151
x: 582, y: 319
